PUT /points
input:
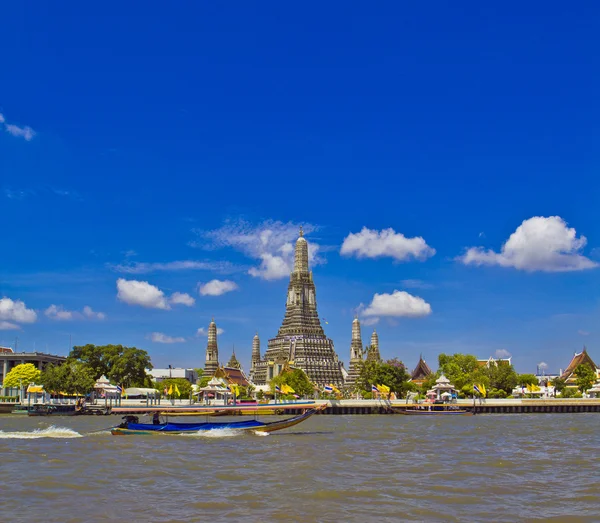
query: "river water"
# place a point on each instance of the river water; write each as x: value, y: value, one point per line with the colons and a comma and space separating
x: 500, y: 468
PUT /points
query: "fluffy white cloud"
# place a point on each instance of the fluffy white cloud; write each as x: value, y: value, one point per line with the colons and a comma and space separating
x: 26, y: 132
x: 376, y: 244
x: 16, y: 311
x: 181, y: 298
x: 204, y: 332
x: 502, y: 354
x: 216, y: 287
x: 397, y: 304
x: 542, y: 365
x: 271, y: 268
x: 159, y: 337
x: 2, y: 120
x: 141, y: 293
x: 8, y: 326
x: 271, y: 242
x: 88, y: 312
x: 181, y: 265
x: 538, y: 244
x: 57, y: 312
x: 367, y: 322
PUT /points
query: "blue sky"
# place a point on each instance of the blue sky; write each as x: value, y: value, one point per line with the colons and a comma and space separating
x: 452, y: 151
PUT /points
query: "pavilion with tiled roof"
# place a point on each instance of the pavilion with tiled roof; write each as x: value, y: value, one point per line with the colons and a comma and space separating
x: 578, y: 358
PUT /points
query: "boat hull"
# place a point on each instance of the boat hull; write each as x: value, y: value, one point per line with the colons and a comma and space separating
x: 415, y: 412
x: 139, y: 429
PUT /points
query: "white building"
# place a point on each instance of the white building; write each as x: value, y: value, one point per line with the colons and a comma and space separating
x: 162, y: 374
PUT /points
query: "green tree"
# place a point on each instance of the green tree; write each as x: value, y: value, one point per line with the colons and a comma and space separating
x: 559, y: 385
x: 54, y: 378
x: 295, y: 378
x: 527, y: 379
x: 500, y: 376
x: 585, y: 376
x: 461, y: 370
x: 184, y: 386
x: 391, y: 373
x: 123, y: 365
x: 22, y: 375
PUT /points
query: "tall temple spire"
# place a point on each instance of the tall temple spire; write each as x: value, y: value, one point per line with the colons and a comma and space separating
x: 255, y: 360
x: 356, y: 353
x: 212, y: 350
x: 301, y: 341
x: 374, y: 349
x: 356, y: 347
x: 301, y: 254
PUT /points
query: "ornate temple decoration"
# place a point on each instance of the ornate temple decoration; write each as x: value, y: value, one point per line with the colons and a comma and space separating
x: 421, y: 372
x: 301, y: 341
x: 255, y: 356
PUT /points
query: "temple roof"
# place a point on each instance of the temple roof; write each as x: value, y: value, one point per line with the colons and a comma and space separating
x: 232, y: 375
x: 233, y: 362
x: 421, y: 371
x: 578, y: 358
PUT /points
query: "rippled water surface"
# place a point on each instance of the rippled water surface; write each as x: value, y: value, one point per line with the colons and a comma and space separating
x: 330, y: 468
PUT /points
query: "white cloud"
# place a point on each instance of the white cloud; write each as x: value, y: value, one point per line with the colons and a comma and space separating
x: 538, y: 244
x: 159, y: 337
x: 141, y: 293
x: 204, y: 332
x: 271, y: 268
x: 271, y: 242
x: 397, y: 304
x: 583, y: 333
x: 367, y: 322
x: 8, y: 326
x: 181, y: 265
x: 416, y: 284
x: 502, y: 354
x: 88, y: 312
x: 2, y: 120
x: 376, y: 244
x: 16, y: 311
x: 181, y: 298
x: 20, y: 132
x: 216, y: 287
x: 542, y: 365
x: 57, y: 312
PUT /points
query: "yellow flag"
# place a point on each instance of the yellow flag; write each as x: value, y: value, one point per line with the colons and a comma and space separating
x: 384, y: 389
x: 482, y: 390
x: 177, y: 390
x: 286, y: 389
x: 170, y: 389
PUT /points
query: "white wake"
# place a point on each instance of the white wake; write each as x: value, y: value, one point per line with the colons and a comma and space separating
x: 50, y: 432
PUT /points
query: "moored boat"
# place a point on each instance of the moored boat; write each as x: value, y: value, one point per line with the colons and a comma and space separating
x: 433, y: 410
x: 131, y: 427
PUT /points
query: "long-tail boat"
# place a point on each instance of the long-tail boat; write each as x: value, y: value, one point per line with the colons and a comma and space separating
x: 433, y: 410
x: 131, y: 427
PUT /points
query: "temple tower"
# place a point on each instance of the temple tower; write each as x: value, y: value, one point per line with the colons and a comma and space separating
x: 233, y: 362
x: 212, y: 350
x: 356, y: 353
x: 301, y: 341
x: 255, y: 355
x: 374, y: 349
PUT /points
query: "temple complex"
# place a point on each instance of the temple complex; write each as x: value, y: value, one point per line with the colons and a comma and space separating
x: 421, y: 373
x: 356, y: 353
x: 300, y: 341
x: 212, y: 350
x: 373, y: 352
